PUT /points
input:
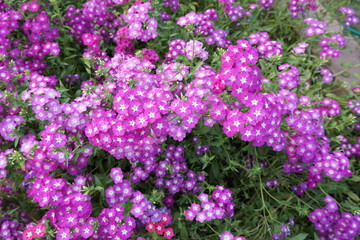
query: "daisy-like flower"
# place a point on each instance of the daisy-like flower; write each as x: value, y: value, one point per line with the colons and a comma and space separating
x: 165, y: 219
x: 169, y: 233
x: 150, y: 227
x: 159, y: 228
x: 190, y: 215
x: 28, y: 234
x: 137, y: 210
x: 59, y: 140
x: 63, y: 234
x: 86, y: 230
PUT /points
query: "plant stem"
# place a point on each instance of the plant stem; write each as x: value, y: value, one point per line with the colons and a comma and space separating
x: 212, y: 229
x: 342, y: 71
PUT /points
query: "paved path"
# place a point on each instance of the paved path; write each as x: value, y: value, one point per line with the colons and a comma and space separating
x: 351, y: 54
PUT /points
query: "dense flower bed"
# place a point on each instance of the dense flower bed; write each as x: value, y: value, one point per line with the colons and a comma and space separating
x: 123, y: 119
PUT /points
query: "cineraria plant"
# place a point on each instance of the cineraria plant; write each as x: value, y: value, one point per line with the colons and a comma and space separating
x: 176, y: 119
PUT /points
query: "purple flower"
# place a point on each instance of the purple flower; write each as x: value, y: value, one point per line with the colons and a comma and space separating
x: 63, y: 234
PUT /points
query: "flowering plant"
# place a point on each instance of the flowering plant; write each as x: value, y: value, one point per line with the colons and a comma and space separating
x: 134, y: 119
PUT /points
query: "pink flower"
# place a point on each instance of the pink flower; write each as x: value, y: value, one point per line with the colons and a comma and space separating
x: 150, y: 227
x: 165, y: 219
x: 169, y: 233
x: 59, y: 140
x: 39, y: 230
x: 190, y: 215
x: 28, y: 234
x: 226, y: 236
x: 159, y: 228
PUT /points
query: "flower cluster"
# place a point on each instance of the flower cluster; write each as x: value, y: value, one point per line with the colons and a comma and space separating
x: 204, y: 26
x: 31, y: 6
x: 257, y: 122
x: 327, y: 76
x: 113, y: 224
x: 266, y: 3
x: 34, y: 232
x: 137, y: 104
x: 141, y: 25
x: 149, y: 55
x: 229, y: 236
x: 159, y: 226
x: 8, y: 126
x: 316, y: 27
x: 350, y: 16
x: 28, y: 52
x: 330, y: 224
x: 335, y: 165
x: 301, y: 47
x: 272, y: 183
x: 190, y: 49
x: 3, y: 162
x: 354, y: 105
x: 298, y: 7
x: 40, y: 33
x: 92, y: 41
x: 120, y: 1
x: 289, y: 76
x: 326, y: 46
x: 234, y: 12
x: 309, y: 145
x: 71, y: 209
x: 218, y: 206
x: 265, y: 46
x: 123, y: 41
x: 164, y: 16
x: 176, y: 48
x: 200, y: 149
x: 142, y: 210
x: 173, y: 4
x: 173, y: 174
x: 124, y: 130
x: 9, y: 227
x: 195, y: 49
x: 285, y: 232
x: 218, y: 37
x: 92, y: 18
x: 349, y: 148
x: 68, y: 119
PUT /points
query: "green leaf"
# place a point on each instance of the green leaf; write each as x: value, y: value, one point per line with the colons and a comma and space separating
x: 300, y: 236
x: 355, y: 179
x: 305, y: 75
x: 357, y: 75
x: 272, y: 75
x: 16, y: 141
x: 194, y: 70
x: 346, y: 64
x: 203, y: 129
x: 176, y: 117
x: 12, y: 211
x: 316, y: 237
x: 183, y: 233
x: 332, y: 96
x: 97, y: 181
x: 353, y: 196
